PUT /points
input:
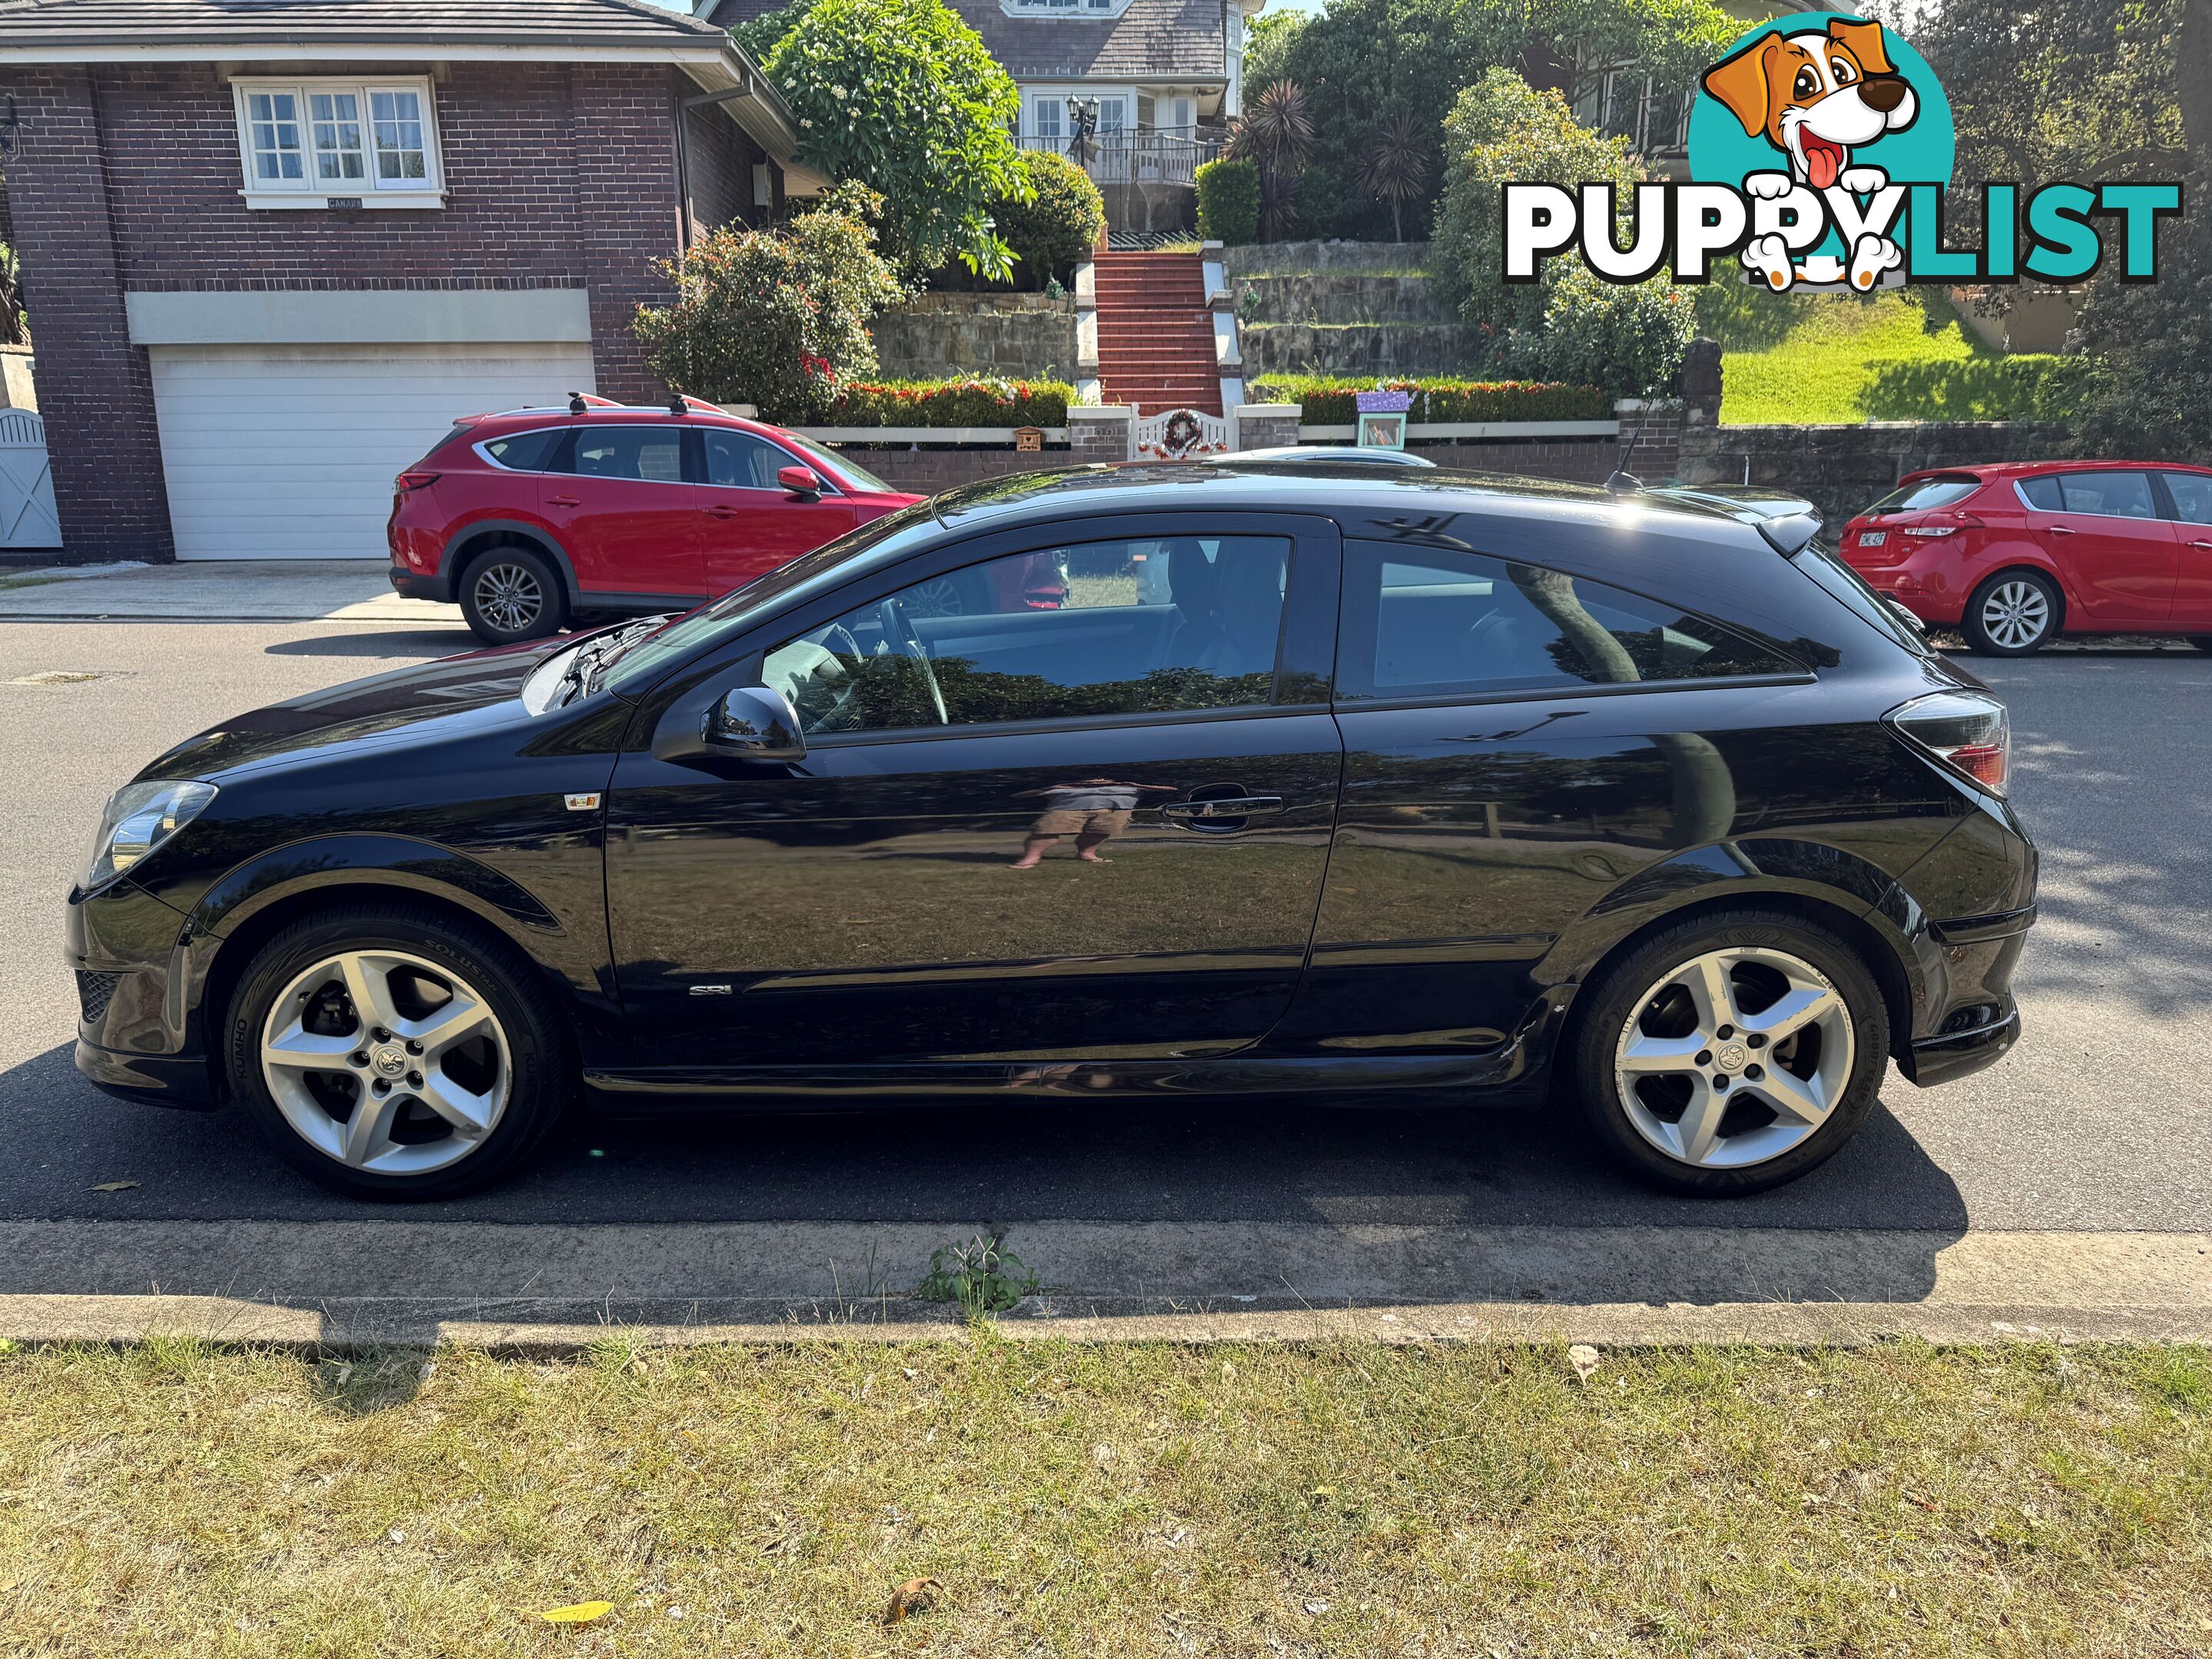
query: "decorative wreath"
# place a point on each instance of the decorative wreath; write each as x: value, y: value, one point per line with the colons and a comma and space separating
x: 1183, y: 433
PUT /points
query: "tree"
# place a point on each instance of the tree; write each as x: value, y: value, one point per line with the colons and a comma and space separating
x: 1397, y: 169
x: 901, y: 95
x: 1059, y: 222
x: 760, y: 36
x: 773, y: 318
x: 1267, y: 40
x: 1275, y: 134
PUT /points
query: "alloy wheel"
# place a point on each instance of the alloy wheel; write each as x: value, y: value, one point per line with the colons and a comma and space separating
x: 937, y: 596
x: 509, y: 597
x: 1735, y: 1058
x: 2016, y: 614
x: 386, y: 1061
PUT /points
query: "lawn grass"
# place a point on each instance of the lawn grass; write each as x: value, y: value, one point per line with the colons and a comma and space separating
x: 1821, y: 370
x: 1248, y: 1499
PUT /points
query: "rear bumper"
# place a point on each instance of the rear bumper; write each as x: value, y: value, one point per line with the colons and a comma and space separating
x: 1943, y: 1058
x: 1976, y: 1019
x: 416, y: 585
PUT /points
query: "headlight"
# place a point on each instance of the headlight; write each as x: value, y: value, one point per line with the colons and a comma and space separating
x: 139, y: 818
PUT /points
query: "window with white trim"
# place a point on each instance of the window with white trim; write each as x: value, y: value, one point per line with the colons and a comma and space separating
x: 1093, y: 8
x: 304, y: 142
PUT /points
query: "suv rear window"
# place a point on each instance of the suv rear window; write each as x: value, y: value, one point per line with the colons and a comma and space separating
x: 1922, y: 493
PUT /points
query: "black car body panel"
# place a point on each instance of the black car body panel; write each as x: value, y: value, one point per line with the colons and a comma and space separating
x: 1441, y: 875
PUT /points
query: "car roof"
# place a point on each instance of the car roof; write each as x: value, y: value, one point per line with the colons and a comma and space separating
x: 1321, y: 454
x: 1987, y: 471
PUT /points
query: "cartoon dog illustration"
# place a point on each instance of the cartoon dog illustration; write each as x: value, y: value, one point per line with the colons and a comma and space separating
x: 1814, y: 95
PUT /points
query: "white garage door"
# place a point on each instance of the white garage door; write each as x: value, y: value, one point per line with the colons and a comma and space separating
x: 288, y: 452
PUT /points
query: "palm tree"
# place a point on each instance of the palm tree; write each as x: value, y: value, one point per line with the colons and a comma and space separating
x: 1397, y: 167
x: 1276, y: 134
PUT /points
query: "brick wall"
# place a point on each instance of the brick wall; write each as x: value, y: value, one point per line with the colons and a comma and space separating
x: 927, y: 471
x: 561, y: 176
x: 1577, y: 460
x: 719, y: 162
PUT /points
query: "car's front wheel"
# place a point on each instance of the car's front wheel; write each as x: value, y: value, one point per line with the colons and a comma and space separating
x: 1732, y: 1053
x: 396, y: 1053
x: 513, y: 593
x: 2013, y: 613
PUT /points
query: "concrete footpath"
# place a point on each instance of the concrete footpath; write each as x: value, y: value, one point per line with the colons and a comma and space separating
x: 554, y: 1288
x: 265, y: 590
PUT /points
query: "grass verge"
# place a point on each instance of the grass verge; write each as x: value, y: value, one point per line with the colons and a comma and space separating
x: 1102, y: 1500
x: 1823, y: 368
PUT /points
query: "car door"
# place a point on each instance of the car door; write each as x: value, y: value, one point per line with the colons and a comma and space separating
x: 620, y: 500
x: 1504, y: 770
x: 1093, y: 830
x: 749, y: 523
x: 2190, y: 496
x: 2103, y: 530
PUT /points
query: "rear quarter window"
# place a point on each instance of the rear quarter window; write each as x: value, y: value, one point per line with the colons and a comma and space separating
x: 522, y: 451
x: 2041, y: 494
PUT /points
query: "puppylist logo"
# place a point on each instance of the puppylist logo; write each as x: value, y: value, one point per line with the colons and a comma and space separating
x: 1821, y: 151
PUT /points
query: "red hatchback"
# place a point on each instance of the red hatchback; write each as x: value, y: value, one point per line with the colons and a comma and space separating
x: 535, y: 518
x: 2015, y: 555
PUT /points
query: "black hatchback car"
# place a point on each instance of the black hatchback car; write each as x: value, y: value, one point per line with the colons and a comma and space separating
x: 1417, y: 782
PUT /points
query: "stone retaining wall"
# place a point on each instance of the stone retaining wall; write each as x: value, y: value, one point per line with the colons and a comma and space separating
x: 929, y: 470
x: 1844, y: 469
x: 1019, y: 336
x: 1391, y: 347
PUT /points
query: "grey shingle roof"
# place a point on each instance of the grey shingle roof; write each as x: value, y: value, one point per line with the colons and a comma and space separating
x: 61, y: 24
x: 1153, y: 40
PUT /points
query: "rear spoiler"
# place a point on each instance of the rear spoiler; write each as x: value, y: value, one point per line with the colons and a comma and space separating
x: 1790, y: 536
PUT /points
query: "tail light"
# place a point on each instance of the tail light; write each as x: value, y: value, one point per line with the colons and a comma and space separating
x: 1967, y: 731
x: 412, y: 480
x: 1950, y: 525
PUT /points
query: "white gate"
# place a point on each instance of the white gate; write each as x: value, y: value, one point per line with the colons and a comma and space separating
x: 1179, y: 434
x: 27, y: 518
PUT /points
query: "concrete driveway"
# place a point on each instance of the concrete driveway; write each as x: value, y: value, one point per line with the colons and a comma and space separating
x: 2069, y: 1189
x: 291, y: 590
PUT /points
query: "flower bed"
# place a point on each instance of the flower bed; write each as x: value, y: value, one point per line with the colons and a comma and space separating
x: 1328, y: 399
x: 958, y: 403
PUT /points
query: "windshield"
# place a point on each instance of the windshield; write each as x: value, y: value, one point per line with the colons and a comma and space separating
x: 1925, y: 493
x: 841, y: 467
x: 637, y: 666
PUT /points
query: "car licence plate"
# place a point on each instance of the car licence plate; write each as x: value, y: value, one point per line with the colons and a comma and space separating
x: 1872, y: 537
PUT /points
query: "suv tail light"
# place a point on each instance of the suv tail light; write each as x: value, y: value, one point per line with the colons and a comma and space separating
x: 1968, y: 730
x: 412, y: 479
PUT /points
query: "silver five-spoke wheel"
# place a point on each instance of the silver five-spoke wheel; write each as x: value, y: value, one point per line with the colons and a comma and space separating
x: 2016, y: 614
x: 1735, y: 1057
x: 386, y: 1061
x: 509, y: 596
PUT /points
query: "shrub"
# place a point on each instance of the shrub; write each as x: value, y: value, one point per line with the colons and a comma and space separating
x: 1061, y: 221
x: 1228, y: 202
x: 902, y: 96
x: 1328, y: 399
x: 2031, y: 386
x: 772, y: 318
x: 950, y: 402
x: 759, y: 36
x: 1627, y: 340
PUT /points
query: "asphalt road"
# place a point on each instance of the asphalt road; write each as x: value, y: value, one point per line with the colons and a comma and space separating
x: 2100, y: 1121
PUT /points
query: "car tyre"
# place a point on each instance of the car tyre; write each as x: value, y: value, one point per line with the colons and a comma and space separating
x: 1754, y: 1112
x: 511, y: 594
x: 2014, y: 613
x: 493, y: 1053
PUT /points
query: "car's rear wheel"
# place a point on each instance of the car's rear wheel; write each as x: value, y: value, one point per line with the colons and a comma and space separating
x: 396, y: 1053
x: 513, y: 593
x: 2013, y: 613
x: 1731, y: 1053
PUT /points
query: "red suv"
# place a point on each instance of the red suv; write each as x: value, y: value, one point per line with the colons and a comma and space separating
x: 2013, y: 555
x: 534, y: 518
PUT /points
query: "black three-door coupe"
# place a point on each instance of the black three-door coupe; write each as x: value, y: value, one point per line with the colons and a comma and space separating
x: 1414, y: 782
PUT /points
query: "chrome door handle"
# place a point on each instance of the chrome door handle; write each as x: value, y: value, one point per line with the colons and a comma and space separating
x: 2062, y: 530
x: 1240, y: 807
x: 2207, y: 546
x: 563, y: 501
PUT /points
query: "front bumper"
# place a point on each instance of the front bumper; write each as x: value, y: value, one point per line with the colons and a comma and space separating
x: 178, y: 1080
x: 418, y: 585
x: 135, y: 1039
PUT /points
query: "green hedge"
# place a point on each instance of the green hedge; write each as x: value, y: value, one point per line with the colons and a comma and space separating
x: 1328, y: 399
x: 2032, y: 385
x: 951, y: 403
x: 1228, y: 202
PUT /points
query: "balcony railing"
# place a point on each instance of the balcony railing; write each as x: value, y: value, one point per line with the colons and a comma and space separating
x: 1121, y: 157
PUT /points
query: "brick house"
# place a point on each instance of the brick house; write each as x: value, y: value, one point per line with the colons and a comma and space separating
x: 269, y: 249
x: 1166, y: 76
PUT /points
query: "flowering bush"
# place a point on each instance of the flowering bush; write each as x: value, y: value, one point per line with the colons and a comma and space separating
x: 773, y: 318
x: 1328, y: 400
x: 987, y: 402
x: 902, y: 96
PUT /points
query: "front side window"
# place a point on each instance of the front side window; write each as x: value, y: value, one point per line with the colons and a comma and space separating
x: 309, y: 140
x: 737, y: 460
x: 1421, y: 623
x: 1064, y: 633
x: 646, y: 454
x: 2108, y: 495
x: 2192, y: 496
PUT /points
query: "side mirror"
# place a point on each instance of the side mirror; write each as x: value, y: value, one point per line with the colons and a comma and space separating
x: 750, y: 722
x: 801, y: 481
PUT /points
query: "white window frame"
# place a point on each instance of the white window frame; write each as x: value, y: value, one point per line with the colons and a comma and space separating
x: 370, y: 192
x: 1091, y: 10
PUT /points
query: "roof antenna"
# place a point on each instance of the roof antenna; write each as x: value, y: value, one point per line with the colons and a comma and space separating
x: 1623, y: 482
x: 576, y: 403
